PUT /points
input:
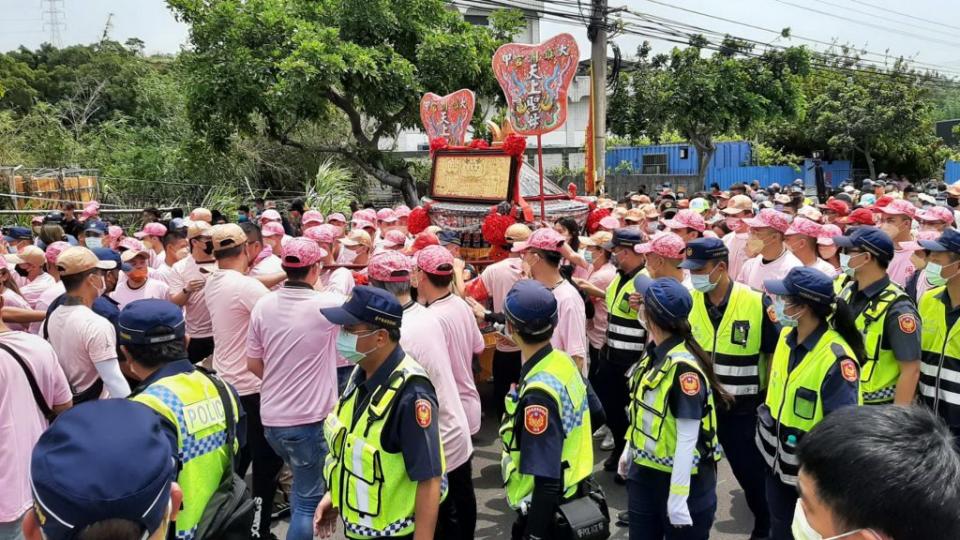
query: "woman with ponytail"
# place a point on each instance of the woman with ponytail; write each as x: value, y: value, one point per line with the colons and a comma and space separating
x: 670, y: 461
x: 814, y: 371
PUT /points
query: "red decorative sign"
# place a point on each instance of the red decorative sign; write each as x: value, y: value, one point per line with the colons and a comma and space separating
x: 535, y: 80
x: 447, y: 117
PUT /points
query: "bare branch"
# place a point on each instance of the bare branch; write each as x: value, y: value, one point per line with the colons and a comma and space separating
x: 356, y: 121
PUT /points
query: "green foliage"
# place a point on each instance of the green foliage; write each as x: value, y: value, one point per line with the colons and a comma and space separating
x: 764, y: 154
x: 329, y: 191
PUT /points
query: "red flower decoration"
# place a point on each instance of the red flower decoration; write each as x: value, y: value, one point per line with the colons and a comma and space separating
x: 514, y: 145
x: 572, y: 190
x: 593, y: 220
x: 494, y: 227
x: 437, y: 143
x: 418, y: 221
x: 479, y: 144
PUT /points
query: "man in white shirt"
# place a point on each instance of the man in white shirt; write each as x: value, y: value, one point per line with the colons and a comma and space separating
x: 31, y: 269
x: 772, y: 260
x: 174, y: 249
x: 186, y: 281
x: 139, y: 284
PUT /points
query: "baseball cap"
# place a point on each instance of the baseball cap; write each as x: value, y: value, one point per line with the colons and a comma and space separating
x: 610, y: 223
x: 368, y: 305
x: 54, y: 216
x: 699, y: 205
x: 53, y: 251
x: 769, y: 218
x: 312, y: 216
x: 85, y: 470
x: 300, y: 253
x: 77, y: 259
x: 827, y: 233
x: 226, y: 236
x: 948, y: 241
x: 860, y: 216
x: 518, y: 232
x: 803, y: 282
x: 36, y: 220
x: 152, y: 229
x: 269, y: 215
x: 836, y: 206
x: 599, y: 239
x: 668, y: 299
x: 390, y: 267
x: 402, y: 211
x: 386, y: 215
x: 27, y: 255
x: 737, y: 204
x: 19, y: 233
x: 530, y: 307
x: 449, y: 237
x: 649, y: 210
x: 357, y: 237
x: 107, y: 254
x: 664, y: 244
x: 624, y: 237
x: 635, y: 215
x: 201, y: 214
x: 810, y: 212
x: 868, y: 238
x: 805, y: 227
x: 435, y: 260
x: 899, y: 207
x: 544, y: 238
x: 703, y: 250
x: 134, y: 249
x: 359, y: 223
x: 936, y: 213
x: 114, y: 231
x: 324, y: 234
x: 272, y: 228
x: 954, y: 189
x: 95, y: 225
x: 198, y: 228
x: 686, y: 219
x: 423, y: 240
x: 337, y: 216
x: 395, y: 238
x: 150, y: 321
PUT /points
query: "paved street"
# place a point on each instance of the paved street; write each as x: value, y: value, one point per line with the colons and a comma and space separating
x: 494, y: 518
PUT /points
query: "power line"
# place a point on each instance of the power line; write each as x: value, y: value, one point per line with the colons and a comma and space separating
x: 902, y: 14
x: 888, y: 19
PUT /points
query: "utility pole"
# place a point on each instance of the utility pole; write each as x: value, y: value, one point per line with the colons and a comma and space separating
x: 54, y: 20
x: 597, y: 32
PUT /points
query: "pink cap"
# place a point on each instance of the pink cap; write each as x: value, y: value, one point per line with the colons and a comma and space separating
x: 301, y: 252
x: 402, y: 211
x: 394, y: 238
x: 610, y: 223
x: 337, y: 216
x: 366, y: 214
x: 386, y: 215
x: 827, y: 233
x: 686, y: 219
x: 390, y: 266
x: 770, y: 218
x: 424, y: 240
x: 270, y: 215
x: 324, y: 234
x: 936, y: 213
x: 114, y: 231
x: 900, y: 207
x: 804, y: 226
x: 435, y: 260
x: 272, y: 228
x: 36, y: 220
x: 131, y: 243
x: 152, y: 229
x: 914, y: 245
x: 361, y: 224
x: 312, y: 216
x: 664, y: 244
x: 92, y: 208
x: 544, y: 238
x: 54, y: 250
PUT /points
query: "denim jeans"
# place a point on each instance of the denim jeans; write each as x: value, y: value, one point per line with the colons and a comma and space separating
x: 304, y: 449
x: 11, y: 531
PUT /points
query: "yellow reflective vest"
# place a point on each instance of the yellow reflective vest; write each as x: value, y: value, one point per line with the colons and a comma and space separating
x: 940, y: 358
x: 626, y: 338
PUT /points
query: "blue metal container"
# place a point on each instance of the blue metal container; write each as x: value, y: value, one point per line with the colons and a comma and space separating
x: 675, y: 159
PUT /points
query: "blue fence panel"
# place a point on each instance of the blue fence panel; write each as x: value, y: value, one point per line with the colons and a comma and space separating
x: 727, y: 176
x: 951, y: 173
x: 680, y: 158
x: 833, y: 172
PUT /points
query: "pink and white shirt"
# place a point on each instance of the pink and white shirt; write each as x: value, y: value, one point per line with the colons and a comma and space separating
x: 81, y: 338
x: 230, y: 297
x: 737, y: 251
x: 755, y: 271
x: 151, y: 288
x: 14, y: 300
x: 498, y: 279
x: 46, y: 298
x: 338, y: 280
x: 463, y: 341
x: 195, y: 310
x: 597, y: 326
x: 32, y: 290
x: 570, y: 335
x: 901, y: 267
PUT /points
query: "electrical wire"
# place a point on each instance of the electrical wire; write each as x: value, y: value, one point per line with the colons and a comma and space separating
x: 888, y: 19
x: 902, y: 14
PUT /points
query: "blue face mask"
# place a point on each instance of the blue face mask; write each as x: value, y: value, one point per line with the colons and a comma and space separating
x: 347, y: 346
x: 779, y: 307
x: 588, y: 255
x: 93, y: 242
x: 702, y: 283
x: 242, y: 218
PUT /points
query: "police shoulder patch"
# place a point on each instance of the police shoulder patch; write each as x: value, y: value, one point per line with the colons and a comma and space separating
x: 424, y: 412
x: 908, y: 323
x: 690, y: 383
x: 848, y: 369
x: 535, y: 419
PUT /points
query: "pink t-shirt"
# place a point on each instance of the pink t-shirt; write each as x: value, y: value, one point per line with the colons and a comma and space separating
x: 44, y: 302
x: 196, y: 313
x: 81, y: 338
x: 14, y: 300
x: 31, y: 291
x: 463, y: 341
x: 230, y: 297
x: 498, y: 278
x: 298, y: 346
x: 901, y: 267
x: 755, y: 271
x: 271, y: 264
x: 825, y: 267
x: 922, y: 285
x: 419, y: 339
x: 21, y: 422
x: 152, y: 288
x: 164, y: 272
x: 338, y: 280
x: 570, y: 335
x: 597, y: 326
x: 737, y: 251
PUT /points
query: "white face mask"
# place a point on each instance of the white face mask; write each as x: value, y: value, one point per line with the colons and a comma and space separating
x: 803, y: 531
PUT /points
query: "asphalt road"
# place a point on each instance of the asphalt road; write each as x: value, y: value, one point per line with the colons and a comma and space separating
x: 494, y: 518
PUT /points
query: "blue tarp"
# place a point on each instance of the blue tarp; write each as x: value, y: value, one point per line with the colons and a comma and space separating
x: 951, y: 172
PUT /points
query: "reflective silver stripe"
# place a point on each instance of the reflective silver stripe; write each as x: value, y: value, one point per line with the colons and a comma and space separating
x: 363, y: 496
x: 741, y: 389
x: 767, y: 436
x: 789, y: 479
x: 766, y: 456
x: 736, y: 371
x: 788, y: 457
x: 626, y: 330
x: 946, y: 374
x: 624, y: 345
x: 944, y: 395
x: 646, y: 415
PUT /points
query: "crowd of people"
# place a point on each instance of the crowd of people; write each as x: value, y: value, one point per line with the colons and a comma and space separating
x: 814, y: 344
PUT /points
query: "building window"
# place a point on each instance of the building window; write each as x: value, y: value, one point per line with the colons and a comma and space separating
x: 478, y: 20
x: 684, y: 152
x: 654, y: 164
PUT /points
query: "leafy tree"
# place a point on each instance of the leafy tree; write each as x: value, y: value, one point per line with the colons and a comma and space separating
x: 703, y: 97
x: 275, y: 67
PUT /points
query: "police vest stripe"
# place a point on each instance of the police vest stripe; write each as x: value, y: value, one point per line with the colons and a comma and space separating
x: 940, y: 358
x: 626, y: 330
x: 625, y: 336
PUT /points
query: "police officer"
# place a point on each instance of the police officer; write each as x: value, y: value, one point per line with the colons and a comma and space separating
x: 885, y: 315
x: 729, y: 321
x: 385, y: 463
x: 151, y: 336
x: 814, y: 372
x: 547, y: 448
x: 625, y: 339
x: 672, y: 453
x: 940, y: 311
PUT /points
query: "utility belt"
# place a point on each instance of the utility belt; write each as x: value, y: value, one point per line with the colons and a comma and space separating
x: 90, y: 394
x: 582, y: 516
